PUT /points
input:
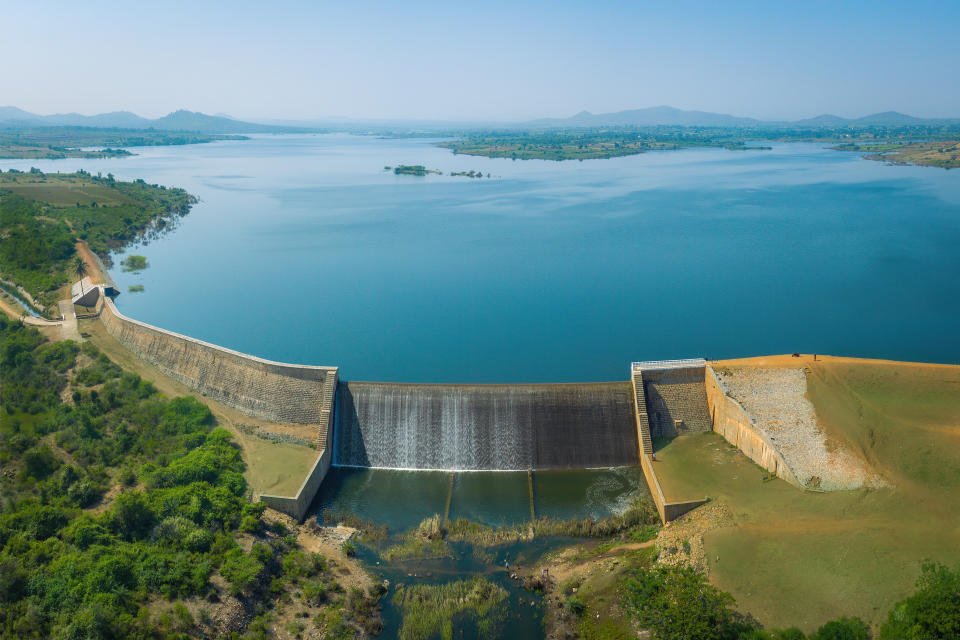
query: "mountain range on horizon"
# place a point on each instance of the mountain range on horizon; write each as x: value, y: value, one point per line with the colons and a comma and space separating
x: 671, y: 116
x: 183, y: 120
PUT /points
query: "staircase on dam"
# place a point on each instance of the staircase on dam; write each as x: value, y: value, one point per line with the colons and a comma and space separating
x: 326, y: 408
x: 671, y: 397
x: 643, y: 423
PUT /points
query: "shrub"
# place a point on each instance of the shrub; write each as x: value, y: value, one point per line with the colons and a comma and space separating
x: 677, y: 603
x: 251, y: 524
x: 40, y: 462
x: 843, y: 629
x: 575, y: 605
x: 131, y: 516
x: 241, y: 570
x: 932, y: 612
x: 315, y: 592
x: 85, y: 531
x: 182, y: 614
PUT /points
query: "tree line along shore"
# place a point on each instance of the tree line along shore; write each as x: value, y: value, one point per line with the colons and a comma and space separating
x: 924, y: 146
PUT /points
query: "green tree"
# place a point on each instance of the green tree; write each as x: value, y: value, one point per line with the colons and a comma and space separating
x: 677, y: 603
x: 843, y: 629
x: 80, y: 270
x: 932, y: 612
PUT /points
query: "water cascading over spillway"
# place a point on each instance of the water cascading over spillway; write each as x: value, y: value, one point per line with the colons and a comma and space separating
x: 485, y: 427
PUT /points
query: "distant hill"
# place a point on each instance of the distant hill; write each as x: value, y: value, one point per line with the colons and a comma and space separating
x: 670, y: 116
x: 650, y: 116
x: 195, y: 122
x: 885, y: 119
x: 182, y: 120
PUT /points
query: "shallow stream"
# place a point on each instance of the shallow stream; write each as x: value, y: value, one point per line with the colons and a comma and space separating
x: 402, y: 499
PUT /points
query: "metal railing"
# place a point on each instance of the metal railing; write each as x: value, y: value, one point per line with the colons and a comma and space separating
x: 668, y: 364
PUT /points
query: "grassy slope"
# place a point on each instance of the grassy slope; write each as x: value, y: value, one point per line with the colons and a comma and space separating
x: 272, y: 467
x: 43, y: 152
x: 65, y: 190
x: 801, y: 558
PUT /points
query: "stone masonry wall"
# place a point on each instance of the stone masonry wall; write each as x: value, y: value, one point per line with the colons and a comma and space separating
x: 260, y: 388
x: 676, y: 394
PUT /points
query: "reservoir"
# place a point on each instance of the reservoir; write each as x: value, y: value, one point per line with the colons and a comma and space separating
x: 305, y: 249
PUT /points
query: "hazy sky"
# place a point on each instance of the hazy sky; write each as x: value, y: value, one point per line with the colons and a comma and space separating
x: 481, y: 60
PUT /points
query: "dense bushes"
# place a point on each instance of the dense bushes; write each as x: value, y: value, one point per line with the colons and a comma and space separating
x: 171, y: 517
x: 70, y: 573
x: 932, y: 612
x: 35, y: 250
x: 678, y: 603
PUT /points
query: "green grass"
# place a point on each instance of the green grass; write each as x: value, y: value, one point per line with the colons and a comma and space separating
x: 797, y: 558
x: 277, y: 468
x: 64, y: 191
x: 415, y: 547
x: 44, y: 152
x: 429, y: 610
x: 600, y: 591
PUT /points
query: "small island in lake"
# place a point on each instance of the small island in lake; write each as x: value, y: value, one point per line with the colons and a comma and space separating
x: 420, y: 170
x: 134, y: 263
x: 412, y: 170
x: 469, y: 174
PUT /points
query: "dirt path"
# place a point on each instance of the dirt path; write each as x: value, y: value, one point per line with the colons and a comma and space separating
x: 807, y: 359
x: 327, y: 541
x: 93, y: 265
x: 68, y: 328
x: 11, y: 308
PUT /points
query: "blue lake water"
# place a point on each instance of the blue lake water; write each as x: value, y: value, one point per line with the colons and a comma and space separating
x: 303, y: 249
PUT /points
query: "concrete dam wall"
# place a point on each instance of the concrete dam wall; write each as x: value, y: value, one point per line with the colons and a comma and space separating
x: 485, y: 427
x: 260, y: 388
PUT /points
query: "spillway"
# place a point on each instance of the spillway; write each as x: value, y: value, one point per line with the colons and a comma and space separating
x: 485, y: 427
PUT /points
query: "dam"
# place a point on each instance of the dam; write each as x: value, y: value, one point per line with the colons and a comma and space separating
x: 485, y: 427
x: 457, y: 427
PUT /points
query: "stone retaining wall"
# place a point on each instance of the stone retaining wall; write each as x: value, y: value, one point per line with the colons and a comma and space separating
x: 732, y: 421
x: 668, y: 510
x: 297, y: 505
x: 676, y: 396
x: 260, y: 388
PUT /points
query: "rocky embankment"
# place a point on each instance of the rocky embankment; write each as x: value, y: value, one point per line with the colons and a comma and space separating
x: 776, y: 399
